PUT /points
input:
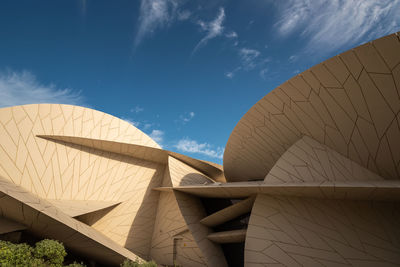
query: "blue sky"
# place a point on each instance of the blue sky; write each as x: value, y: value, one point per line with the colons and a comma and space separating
x: 184, y: 72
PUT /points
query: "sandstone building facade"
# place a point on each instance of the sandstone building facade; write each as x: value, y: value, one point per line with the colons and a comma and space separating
x: 310, y: 177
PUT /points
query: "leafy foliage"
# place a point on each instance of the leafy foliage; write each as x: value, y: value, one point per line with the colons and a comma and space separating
x: 51, y: 252
x: 46, y: 253
x: 137, y: 263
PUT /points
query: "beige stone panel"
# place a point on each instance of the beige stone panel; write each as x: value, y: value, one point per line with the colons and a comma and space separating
x: 298, y: 158
x: 388, y: 48
x: 337, y: 68
x: 192, y: 211
x: 301, y: 85
x: 394, y: 141
x: 344, y: 101
x: 229, y: 213
x: 40, y: 217
x: 354, y: 92
x: 233, y: 236
x: 309, y: 77
x: 396, y: 77
x: 333, y: 231
x: 369, y: 135
x: 138, y: 151
x: 7, y: 143
x: 371, y: 59
x: 342, y: 119
x: 366, y: 189
x: 325, y: 77
x: 368, y: 101
x: 182, y: 174
x: 292, y: 91
x: 352, y: 62
x: 385, y: 84
x: 169, y: 228
x: 75, y: 208
x: 385, y: 161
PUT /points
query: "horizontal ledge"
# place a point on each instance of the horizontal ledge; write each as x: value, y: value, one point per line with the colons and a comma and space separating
x: 368, y: 190
x: 234, y: 236
x: 229, y: 213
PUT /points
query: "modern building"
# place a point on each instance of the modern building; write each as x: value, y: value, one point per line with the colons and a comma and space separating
x: 310, y: 177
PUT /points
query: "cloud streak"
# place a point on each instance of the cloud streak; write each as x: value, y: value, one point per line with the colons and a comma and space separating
x: 186, y: 117
x: 137, y: 109
x: 154, y: 14
x: 157, y: 135
x: 192, y: 146
x: 19, y: 88
x: 333, y: 24
x: 212, y: 29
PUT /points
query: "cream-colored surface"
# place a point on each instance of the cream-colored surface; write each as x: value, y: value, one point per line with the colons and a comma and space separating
x: 233, y: 236
x: 192, y: 211
x: 309, y: 161
x: 292, y: 231
x: 45, y: 220
x: 182, y: 174
x: 371, y: 190
x: 75, y: 208
x: 143, y: 152
x: 229, y: 213
x: 169, y: 228
x: 54, y: 169
x: 349, y: 103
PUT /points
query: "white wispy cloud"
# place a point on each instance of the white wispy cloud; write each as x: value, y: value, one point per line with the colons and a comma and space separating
x: 332, y: 24
x: 134, y: 123
x: 184, y: 14
x: 212, y: 29
x: 231, y: 34
x: 155, y: 14
x: 184, y: 118
x: 263, y: 73
x: 18, y: 88
x: 248, y: 57
x: 137, y: 109
x: 192, y: 146
x: 231, y: 74
x: 157, y: 135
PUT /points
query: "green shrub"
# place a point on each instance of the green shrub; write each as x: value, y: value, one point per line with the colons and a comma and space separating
x: 137, y: 263
x: 51, y: 252
x: 17, y: 255
x: 46, y: 253
x: 75, y: 264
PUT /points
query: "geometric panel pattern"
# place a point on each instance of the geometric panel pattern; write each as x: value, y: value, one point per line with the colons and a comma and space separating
x: 292, y: 231
x: 192, y: 211
x: 352, y: 190
x: 349, y: 103
x: 229, y: 213
x: 182, y: 174
x: 68, y: 172
x: 309, y: 161
x: 170, y: 227
x: 58, y: 171
x: 45, y: 220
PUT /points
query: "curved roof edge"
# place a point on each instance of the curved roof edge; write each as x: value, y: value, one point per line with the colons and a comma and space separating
x: 349, y: 103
